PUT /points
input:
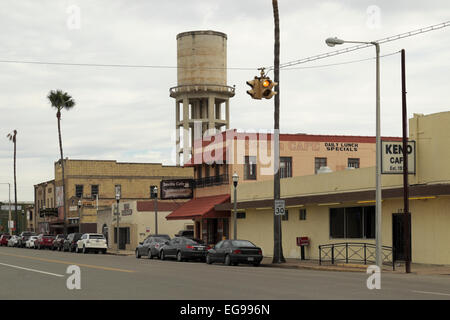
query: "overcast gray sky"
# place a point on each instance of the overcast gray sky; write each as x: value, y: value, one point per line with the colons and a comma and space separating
x: 126, y: 114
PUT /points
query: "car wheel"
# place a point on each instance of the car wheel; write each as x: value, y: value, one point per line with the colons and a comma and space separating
x: 161, y: 255
x: 227, y: 260
x: 208, y: 259
x: 137, y: 254
x: 179, y: 256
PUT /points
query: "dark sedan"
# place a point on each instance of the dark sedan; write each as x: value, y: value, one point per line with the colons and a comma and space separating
x: 58, y: 243
x: 235, y: 252
x: 70, y: 243
x: 183, y: 249
x: 150, y: 247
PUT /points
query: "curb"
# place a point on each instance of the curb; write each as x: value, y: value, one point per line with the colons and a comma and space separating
x: 341, y: 269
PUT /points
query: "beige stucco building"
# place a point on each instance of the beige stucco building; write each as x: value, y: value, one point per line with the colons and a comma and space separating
x: 137, y: 222
x: 316, y: 203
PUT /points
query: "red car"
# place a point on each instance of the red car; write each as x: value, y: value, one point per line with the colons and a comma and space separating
x: 44, y: 241
x: 4, y: 239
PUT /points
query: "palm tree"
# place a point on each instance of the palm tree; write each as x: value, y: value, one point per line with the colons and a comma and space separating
x: 277, y: 248
x: 12, y: 137
x: 61, y: 100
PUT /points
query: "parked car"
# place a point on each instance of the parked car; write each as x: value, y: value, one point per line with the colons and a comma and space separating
x: 92, y: 242
x: 58, y: 242
x: 185, y: 233
x: 183, y: 248
x: 235, y: 252
x: 4, y: 239
x: 23, y: 237
x: 13, y: 241
x: 151, y: 246
x: 30, y: 242
x: 44, y: 242
x: 70, y: 243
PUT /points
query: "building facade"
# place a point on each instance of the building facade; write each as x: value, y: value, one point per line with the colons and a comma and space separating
x: 90, y: 187
x: 250, y: 156
x: 340, y: 206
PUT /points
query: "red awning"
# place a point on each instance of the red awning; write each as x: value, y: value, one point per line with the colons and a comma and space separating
x: 199, y: 207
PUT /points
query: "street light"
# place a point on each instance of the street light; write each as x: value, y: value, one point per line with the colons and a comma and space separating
x: 335, y: 41
x: 235, y: 183
x: 79, y: 215
x: 155, y: 196
x: 118, y: 195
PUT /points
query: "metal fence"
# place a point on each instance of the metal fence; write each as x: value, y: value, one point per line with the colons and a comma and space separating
x: 354, y: 252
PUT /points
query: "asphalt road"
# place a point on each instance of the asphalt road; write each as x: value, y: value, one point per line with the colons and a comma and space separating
x: 34, y: 274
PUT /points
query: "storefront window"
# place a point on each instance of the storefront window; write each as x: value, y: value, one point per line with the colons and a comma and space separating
x: 352, y: 222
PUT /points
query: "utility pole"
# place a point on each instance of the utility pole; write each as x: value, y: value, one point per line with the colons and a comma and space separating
x: 407, y: 218
x: 155, y: 195
x: 277, y: 248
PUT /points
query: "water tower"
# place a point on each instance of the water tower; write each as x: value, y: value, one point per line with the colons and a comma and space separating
x: 202, y: 95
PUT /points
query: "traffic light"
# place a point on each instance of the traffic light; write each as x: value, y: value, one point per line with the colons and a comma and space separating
x: 267, y: 86
x: 256, y: 91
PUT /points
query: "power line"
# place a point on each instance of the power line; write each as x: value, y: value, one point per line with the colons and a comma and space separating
x: 342, y: 63
x: 361, y: 46
x: 114, y: 65
x: 284, y: 65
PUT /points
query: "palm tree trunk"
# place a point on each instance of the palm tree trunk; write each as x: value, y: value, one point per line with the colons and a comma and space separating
x: 277, y: 248
x: 58, y: 115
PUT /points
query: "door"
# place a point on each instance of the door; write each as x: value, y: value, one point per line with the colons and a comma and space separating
x: 401, y: 235
x: 123, y: 236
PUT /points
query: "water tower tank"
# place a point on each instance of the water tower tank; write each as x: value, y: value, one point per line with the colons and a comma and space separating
x: 202, y: 91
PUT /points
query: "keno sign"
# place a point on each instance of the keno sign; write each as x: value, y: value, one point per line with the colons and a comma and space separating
x: 392, y: 157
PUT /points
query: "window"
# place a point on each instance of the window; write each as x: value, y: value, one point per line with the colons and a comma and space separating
x: 302, y: 214
x: 94, y: 190
x: 353, y: 163
x: 219, y: 245
x: 79, y: 191
x: 250, y: 168
x: 319, y: 162
x: 352, y: 222
x: 285, y: 167
x: 285, y: 216
x: 240, y: 215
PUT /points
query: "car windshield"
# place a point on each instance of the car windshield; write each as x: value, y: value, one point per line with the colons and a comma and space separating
x: 242, y: 243
x: 96, y: 236
x: 160, y: 240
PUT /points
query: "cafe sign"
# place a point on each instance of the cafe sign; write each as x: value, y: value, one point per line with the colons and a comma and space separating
x: 392, y: 157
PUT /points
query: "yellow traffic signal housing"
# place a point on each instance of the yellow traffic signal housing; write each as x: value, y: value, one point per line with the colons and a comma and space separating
x: 256, y: 91
x: 267, y: 87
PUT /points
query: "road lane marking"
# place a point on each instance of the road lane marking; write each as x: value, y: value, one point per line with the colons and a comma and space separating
x: 69, y: 263
x: 34, y: 270
x: 435, y: 293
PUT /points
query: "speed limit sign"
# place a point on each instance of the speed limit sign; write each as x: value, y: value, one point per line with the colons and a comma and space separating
x: 279, y: 207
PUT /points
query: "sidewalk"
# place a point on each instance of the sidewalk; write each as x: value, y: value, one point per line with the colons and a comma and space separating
x: 416, y: 268
x: 292, y: 263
